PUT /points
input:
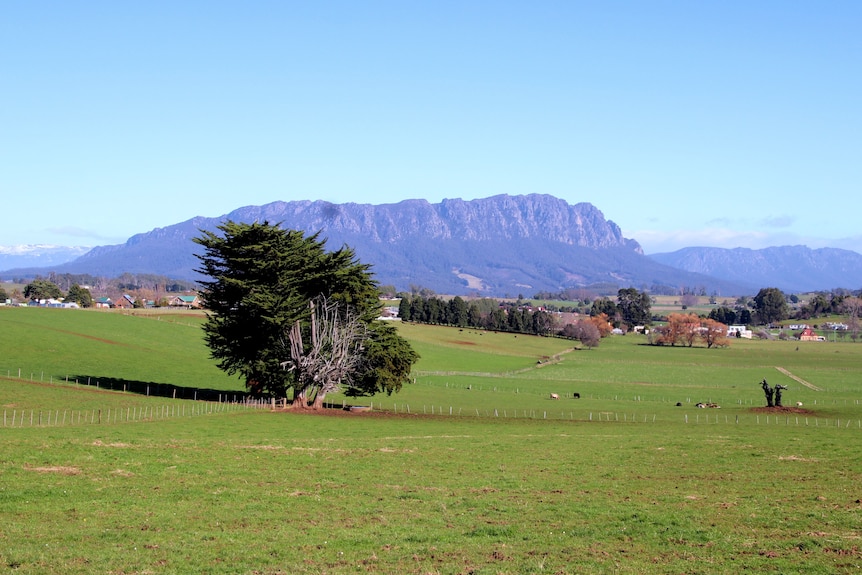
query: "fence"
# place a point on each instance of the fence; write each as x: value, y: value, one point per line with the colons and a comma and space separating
x: 699, y: 418
x: 57, y: 417
x: 147, y: 388
x: 203, y: 402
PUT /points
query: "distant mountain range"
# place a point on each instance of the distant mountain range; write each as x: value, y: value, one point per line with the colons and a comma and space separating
x: 502, y: 245
x: 40, y: 255
x: 791, y: 268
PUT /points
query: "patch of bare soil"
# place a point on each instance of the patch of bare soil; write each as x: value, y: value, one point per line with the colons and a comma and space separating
x: 779, y: 410
x: 61, y: 469
x: 99, y: 443
x: 340, y: 412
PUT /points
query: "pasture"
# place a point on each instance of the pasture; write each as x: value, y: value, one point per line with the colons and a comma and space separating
x: 506, y: 480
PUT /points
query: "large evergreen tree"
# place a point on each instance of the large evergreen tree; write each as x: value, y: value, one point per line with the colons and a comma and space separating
x: 634, y: 307
x: 262, y: 279
x: 771, y: 305
x: 42, y: 289
x: 80, y: 296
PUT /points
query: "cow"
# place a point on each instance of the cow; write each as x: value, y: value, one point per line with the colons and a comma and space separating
x: 798, y: 404
x: 576, y: 395
x: 555, y: 396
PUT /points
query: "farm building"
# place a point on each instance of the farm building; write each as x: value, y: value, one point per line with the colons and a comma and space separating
x: 189, y: 301
x: 738, y: 331
x: 808, y: 334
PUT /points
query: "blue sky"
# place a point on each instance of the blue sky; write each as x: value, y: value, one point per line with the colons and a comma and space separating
x: 729, y: 124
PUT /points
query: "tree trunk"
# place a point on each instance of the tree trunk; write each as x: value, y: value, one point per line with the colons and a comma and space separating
x: 318, y: 400
x: 300, y: 401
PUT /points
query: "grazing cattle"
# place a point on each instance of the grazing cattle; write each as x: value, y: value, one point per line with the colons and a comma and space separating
x: 679, y: 404
x: 555, y: 396
x: 576, y: 395
x: 798, y: 404
x: 705, y: 405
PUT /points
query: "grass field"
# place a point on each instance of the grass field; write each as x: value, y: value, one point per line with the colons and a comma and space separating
x: 618, y: 481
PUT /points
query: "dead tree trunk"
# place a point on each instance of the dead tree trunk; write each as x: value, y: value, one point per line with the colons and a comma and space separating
x: 333, y: 355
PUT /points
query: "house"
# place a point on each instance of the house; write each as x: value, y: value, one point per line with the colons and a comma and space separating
x: 808, y: 334
x: 103, y: 302
x: 187, y: 301
x: 389, y: 313
x: 738, y: 331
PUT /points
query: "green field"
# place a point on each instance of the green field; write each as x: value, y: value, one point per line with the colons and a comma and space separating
x: 501, y: 479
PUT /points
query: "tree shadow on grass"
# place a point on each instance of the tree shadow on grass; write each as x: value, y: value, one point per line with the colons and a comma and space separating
x: 150, y: 388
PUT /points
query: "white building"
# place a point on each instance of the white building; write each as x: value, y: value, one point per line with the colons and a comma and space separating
x: 743, y: 331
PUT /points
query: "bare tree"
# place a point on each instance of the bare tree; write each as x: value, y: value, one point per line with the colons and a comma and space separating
x: 333, y: 353
x: 587, y: 333
x: 852, y: 306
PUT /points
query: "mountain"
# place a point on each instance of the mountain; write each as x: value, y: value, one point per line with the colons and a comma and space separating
x: 39, y: 255
x: 789, y: 268
x: 495, y: 246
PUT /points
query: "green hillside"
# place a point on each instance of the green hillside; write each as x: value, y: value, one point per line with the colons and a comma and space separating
x: 505, y: 481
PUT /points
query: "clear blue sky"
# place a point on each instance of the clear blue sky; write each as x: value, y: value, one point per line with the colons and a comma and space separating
x: 730, y: 124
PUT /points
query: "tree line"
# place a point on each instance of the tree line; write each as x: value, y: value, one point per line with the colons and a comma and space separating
x: 631, y: 308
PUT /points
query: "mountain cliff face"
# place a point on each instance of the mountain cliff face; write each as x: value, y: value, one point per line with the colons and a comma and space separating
x: 496, y: 246
x: 790, y: 268
x: 496, y: 218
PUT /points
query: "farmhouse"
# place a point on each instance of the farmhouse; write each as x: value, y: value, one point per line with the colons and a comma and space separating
x: 188, y: 301
x: 808, y: 334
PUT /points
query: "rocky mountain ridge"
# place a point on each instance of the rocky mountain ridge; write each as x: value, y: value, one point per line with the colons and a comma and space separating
x: 502, y: 245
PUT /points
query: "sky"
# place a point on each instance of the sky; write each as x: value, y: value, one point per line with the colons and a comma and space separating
x: 727, y: 124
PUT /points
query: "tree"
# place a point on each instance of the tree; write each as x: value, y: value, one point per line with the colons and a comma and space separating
x: 634, y: 307
x: 723, y: 315
x: 42, y: 289
x: 474, y: 315
x: 80, y: 296
x: 771, y: 305
x: 332, y: 354
x: 686, y: 329
x: 262, y: 279
x: 456, y: 313
x: 602, y: 323
x: 603, y: 306
x: 387, y: 359
x: 3, y: 295
x: 688, y: 300
x: 543, y: 322
x: 515, y: 321
x: 852, y: 307
x: 713, y: 333
x: 404, y: 309
x: 587, y: 333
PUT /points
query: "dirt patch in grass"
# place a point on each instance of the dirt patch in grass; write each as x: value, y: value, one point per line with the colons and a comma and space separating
x: 61, y: 469
x: 778, y: 410
x: 340, y: 412
x: 462, y: 342
x: 100, y: 443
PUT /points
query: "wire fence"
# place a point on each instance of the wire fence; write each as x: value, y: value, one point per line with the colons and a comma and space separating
x: 703, y: 417
x: 139, y: 413
x: 209, y: 401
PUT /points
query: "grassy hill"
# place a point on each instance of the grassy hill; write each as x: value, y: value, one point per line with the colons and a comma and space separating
x: 618, y: 481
